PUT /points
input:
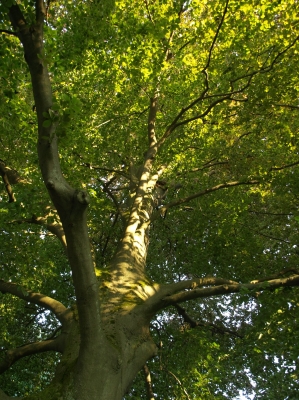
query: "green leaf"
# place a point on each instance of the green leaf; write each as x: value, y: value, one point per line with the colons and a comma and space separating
x: 47, y: 123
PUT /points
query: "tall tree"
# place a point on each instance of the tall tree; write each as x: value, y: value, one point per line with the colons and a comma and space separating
x: 162, y: 237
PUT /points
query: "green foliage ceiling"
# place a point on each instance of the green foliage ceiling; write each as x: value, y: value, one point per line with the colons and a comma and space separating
x: 229, y: 70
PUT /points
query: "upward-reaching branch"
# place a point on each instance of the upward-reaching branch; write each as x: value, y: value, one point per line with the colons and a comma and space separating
x: 71, y: 204
x: 174, y: 124
x: 216, y: 35
x: 150, y: 154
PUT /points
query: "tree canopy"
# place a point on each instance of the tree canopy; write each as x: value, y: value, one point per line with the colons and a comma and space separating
x: 177, y: 129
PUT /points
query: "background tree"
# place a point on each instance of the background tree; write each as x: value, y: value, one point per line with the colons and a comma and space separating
x: 177, y: 129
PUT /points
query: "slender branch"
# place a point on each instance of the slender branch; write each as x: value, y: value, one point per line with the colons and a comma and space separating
x: 54, y: 333
x: 203, y: 96
x: 268, y: 68
x: 148, y: 11
x: 55, y: 228
x: 216, y: 36
x: 194, y: 324
x: 258, y: 232
x: 185, y: 45
x: 95, y: 167
x: 14, y: 355
x: 8, y: 32
x: 148, y: 383
x: 115, y: 171
x: 269, y: 213
x: 210, y: 166
x: 202, y: 115
x: 277, y: 275
x: 109, y: 235
x: 284, y: 166
x: 110, y: 194
x: 163, y: 209
x: 179, y: 382
x: 47, y: 302
x: 287, y: 106
x: 174, y: 124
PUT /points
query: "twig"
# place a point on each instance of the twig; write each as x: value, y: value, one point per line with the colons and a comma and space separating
x: 148, y: 383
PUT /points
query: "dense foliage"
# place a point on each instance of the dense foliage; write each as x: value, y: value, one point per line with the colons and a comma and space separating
x: 224, y: 77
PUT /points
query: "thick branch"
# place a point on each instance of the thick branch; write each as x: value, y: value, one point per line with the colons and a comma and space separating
x: 198, y: 283
x: 292, y: 280
x: 61, y: 312
x: 154, y: 303
x: 14, y: 355
x: 71, y: 204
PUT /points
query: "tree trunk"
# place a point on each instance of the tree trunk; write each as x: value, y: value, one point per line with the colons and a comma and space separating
x: 122, y: 350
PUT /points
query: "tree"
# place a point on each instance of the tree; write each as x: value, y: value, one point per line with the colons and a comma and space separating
x: 169, y: 214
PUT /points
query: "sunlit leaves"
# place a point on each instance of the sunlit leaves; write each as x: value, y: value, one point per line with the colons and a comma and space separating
x: 106, y: 60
